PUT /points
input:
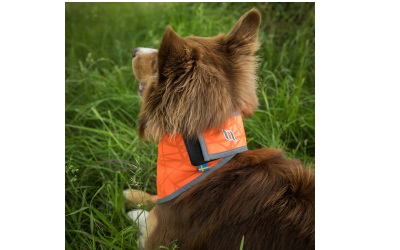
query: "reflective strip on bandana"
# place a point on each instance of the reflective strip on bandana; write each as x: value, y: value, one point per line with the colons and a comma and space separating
x: 190, y: 184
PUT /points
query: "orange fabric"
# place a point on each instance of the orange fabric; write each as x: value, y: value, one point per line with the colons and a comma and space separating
x: 174, y: 169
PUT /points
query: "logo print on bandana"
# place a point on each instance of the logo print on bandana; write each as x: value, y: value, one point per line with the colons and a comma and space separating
x: 229, y: 135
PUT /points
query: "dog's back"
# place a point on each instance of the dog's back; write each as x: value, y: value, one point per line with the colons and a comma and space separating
x: 259, y: 195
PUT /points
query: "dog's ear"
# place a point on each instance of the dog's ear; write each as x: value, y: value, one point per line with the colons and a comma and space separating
x: 241, y: 44
x: 175, y: 56
x: 244, y: 35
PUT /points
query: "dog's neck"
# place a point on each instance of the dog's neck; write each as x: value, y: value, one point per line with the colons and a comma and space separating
x: 183, y: 162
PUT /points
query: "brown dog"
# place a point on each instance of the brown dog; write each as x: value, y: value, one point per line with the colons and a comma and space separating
x: 195, y: 85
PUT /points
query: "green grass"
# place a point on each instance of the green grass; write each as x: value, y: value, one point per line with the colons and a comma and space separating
x: 103, y: 154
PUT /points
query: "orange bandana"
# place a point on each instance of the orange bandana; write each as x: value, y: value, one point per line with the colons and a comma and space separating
x: 175, y: 171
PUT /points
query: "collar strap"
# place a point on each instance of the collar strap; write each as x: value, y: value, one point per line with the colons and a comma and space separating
x: 228, y: 140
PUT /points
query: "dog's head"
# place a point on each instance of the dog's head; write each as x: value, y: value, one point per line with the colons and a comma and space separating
x: 193, y: 84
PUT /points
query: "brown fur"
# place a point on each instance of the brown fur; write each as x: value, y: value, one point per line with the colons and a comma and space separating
x: 198, y: 83
x: 258, y: 194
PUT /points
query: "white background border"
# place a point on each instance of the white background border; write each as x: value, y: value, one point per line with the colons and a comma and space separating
x: 357, y: 124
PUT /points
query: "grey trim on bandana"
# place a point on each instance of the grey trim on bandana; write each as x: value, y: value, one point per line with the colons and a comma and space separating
x: 210, y: 157
x: 195, y: 181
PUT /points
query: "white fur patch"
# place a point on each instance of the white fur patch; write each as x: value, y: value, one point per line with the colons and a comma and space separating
x: 127, y: 192
x: 145, y: 50
x: 140, y: 217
